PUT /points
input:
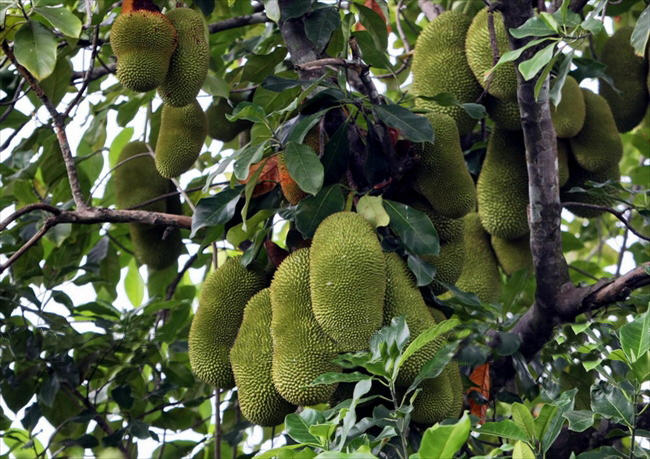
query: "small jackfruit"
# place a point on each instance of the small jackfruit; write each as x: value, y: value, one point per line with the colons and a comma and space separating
x: 480, y: 269
x: 181, y: 137
x: 189, y: 62
x: 563, y: 152
x: 598, y: 146
x: 404, y: 298
x: 301, y: 350
x: 440, y: 65
x: 479, y: 55
x: 502, y: 186
x: 224, y: 296
x: 504, y: 113
x: 629, y: 74
x: 569, y: 116
x: 219, y: 128
x: 143, y: 42
x: 441, y: 176
x: 290, y: 188
x: 448, y: 229
x: 448, y: 264
x: 251, y: 356
x: 578, y: 178
x: 347, y: 280
x: 513, y: 254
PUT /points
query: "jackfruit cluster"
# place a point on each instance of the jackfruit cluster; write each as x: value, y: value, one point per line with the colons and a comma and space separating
x: 440, y: 66
x: 137, y: 181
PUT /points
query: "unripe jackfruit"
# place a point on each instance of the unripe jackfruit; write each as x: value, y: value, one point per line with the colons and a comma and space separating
x: 251, y: 356
x: 479, y: 56
x: 480, y: 270
x: 504, y: 113
x: 301, y: 350
x: 435, y: 402
x: 290, y: 188
x: 219, y: 128
x: 563, y: 152
x: 143, y: 42
x: 513, y: 254
x: 224, y: 296
x: 441, y: 175
x: 440, y: 65
x: 502, y: 186
x: 181, y: 137
x: 189, y: 63
x: 629, y: 74
x: 578, y: 178
x: 597, y: 147
x: 448, y: 264
x: 448, y: 229
x: 569, y: 116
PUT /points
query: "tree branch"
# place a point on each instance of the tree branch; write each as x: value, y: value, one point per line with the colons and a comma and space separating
x: 27, y: 209
x: 614, y: 212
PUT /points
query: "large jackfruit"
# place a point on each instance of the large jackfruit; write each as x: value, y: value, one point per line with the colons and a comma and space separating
x: 598, y: 146
x: 143, y: 42
x: 578, y: 178
x: 441, y: 175
x: 479, y: 56
x: 219, y: 127
x: 403, y: 298
x: 224, y: 296
x: 181, y: 137
x: 440, y: 65
x: 251, y: 356
x: 569, y: 116
x: 502, y: 186
x: 347, y: 280
x: 629, y: 74
x: 301, y: 350
x: 448, y: 264
x: 513, y: 254
x: 480, y: 269
x: 189, y: 63
x: 504, y: 113
x: 448, y: 229
x: 137, y: 181
x: 436, y: 401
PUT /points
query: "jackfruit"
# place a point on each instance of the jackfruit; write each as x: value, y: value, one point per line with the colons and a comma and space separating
x: 290, y: 188
x: 629, y: 74
x: 504, y: 113
x: 347, y: 280
x: 578, y: 178
x: 251, y: 356
x: 448, y: 229
x: 143, y: 42
x: 181, y: 137
x: 435, y: 402
x: 301, y: 350
x: 137, y: 181
x: 403, y: 298
x: 569, y: 116
x: 513, y: 254
x: 440, y: 65
x: 480, y: 270
x: 479, y: 55
x: 563, y: 153
x: 598, y: 146
x: 219, y: 128
x: 224, y: 296
x: 456, y: 381
x: 189, y: 62
x: 502, y: 186
x: 441, y: 175
x: 448, y: 264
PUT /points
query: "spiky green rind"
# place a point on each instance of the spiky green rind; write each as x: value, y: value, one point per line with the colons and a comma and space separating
x: 578, y: 178
x: 219, y: 128
x: 563, y: 152
x: 347, y: 280
x: 598, y: 146
x: 480, y: 270
x: 251, y: 356
x: 435, y: 402
x: 513, y: 254
x: 301, y: 350
x: 504, y: 113
x: 479, y: 55
x: 154, y: 246
x: 189, y: 62
x: 448, y: 264
x: 448, y: 229
x: 629, y: 74
x: 404, y: 298
x: 502, y: 186
x: 143, y: 42
x: 441, y: 175
x: 440, y: 65
x: 456, y: 381
x: 181, y: 137
x: 224, y: 296
x: 569, y: 116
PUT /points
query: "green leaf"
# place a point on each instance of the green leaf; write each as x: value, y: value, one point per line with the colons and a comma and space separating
x: 372, y: 209
x: 245, y: 230
x: 117, y: 145
x: 413, y: 127
x: 374, y: 24
x: 532, y: 66
x: 215, y: 210
x: 133, y: 284
x: 337, y: 377
x: 282, y: 451
x: 413, y: 227
x: 304, y: 167
x: 206, y: 6
x: 62, y: 19
x: 35, y: 49
x: 635, y: 337
x: 444, y: 441
x: 436, y: 365
x: 523, y: 451
x: 313, y: 210
x: 320, y: 24
x: 424, y: 272
x: 514, y: 55
x: 258, y: 66
x: 297, y: 429
x: 506, y: 428
x: 426, y: 336
x: 533, y: 27
x: 216, y: 86
x: 250, y: 154
x: 579, y: 420
x: 641, y: 32
x: 476, y: 111
x: 610, y: 402
x: 370, y: 53
x: 524, y: 420
x: 555, y: 94
x: 248, y: 111
x: 56, y: 85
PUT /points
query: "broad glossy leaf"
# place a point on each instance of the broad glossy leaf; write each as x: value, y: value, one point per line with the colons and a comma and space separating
x: 506, y: 428
x: 215, y: 210
x: 320, y: 24
x: 579, y: 420
x: 413, y: 127
x: 635, y: 337
x: 428, y: 335
x: 134, y: 285
x: 523, y: 451
x: 524, y: 420
x: 436, y: 365
x: 35, y: 49
x: 444, y: 441
x: 298, y: 429
x: 533, y: 27
x: 609, y: 401
x: 313, y: 210
x: 413, y: 227
x: 259, y: 66
x: 304, y: 167
x: 63, y: 19
x: 424, y: 272
x: 641, y: 32
x: 372, y: 209
x: 532, y: 66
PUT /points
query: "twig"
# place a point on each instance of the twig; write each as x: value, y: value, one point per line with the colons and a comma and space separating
x: 583, y: 272
x: 400, y: 31
x: 13, y: 135
x: 29, y: 208
x: 172, y: 287
x: 111, y: 170
x: 621, y: 254
x: 118, y: 243
x: 364, y: 74
x: 430, y: 10
x: 615, y: 213
x: 49, y: 223
x: 89, y: 72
